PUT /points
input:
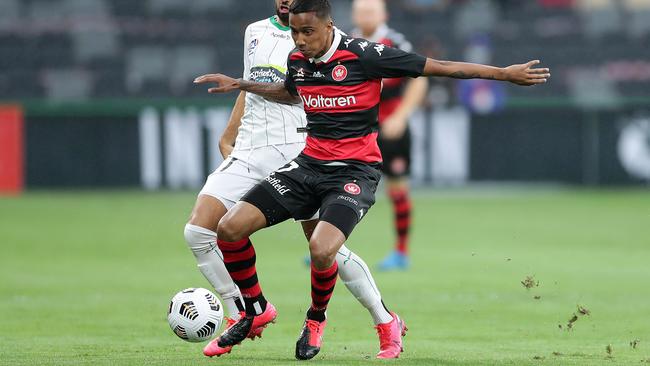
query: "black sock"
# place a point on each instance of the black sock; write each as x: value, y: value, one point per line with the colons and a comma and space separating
x: 255, y: 305
x: 239, y: 305
x: 317, y: 315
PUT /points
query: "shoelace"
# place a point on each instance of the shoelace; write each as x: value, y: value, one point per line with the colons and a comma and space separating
x: 383, y: 330
x: 230, y: 321
x: 313, y: 326
x: 314, y: 331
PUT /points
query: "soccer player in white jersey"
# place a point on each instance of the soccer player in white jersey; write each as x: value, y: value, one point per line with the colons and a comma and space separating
x: 261, y: 137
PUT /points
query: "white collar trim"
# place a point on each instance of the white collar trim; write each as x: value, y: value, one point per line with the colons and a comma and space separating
x: 328, y: 55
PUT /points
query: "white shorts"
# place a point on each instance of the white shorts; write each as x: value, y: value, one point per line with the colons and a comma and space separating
x: 243, y: 169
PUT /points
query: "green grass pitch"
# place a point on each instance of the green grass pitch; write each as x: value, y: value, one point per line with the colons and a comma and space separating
x: 86, y: 277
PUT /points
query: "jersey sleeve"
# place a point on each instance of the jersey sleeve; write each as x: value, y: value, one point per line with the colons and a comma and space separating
x: 401, y: 42
x: 247, y: 45
x: 289, y: 83
x: 380, y: 61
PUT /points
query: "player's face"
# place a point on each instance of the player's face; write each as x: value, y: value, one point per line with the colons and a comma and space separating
x: 311, y: 34
x: 368, y: 15
x: 282, y: 10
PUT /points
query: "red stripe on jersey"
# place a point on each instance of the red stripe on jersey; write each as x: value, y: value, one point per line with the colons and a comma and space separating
x: 356, y: 148
x: 342, y: 55
x: 340, y: 99
x: 297, y: 56
x: 388, y: 107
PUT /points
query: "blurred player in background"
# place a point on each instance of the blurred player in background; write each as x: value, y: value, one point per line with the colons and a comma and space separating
x: 338, y: 79
x: 400, y: 97
x: 261, y: 137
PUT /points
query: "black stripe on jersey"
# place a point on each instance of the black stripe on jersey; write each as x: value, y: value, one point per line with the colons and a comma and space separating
x: 342, y: 125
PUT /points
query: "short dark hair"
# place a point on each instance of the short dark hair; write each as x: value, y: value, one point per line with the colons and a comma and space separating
x: 322, y: 8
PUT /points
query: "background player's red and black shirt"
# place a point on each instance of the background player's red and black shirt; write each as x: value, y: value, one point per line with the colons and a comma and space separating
x: 393, y: 88
x: 341, y: 93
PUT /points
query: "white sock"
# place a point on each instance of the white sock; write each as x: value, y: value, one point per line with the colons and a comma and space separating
x: 203, y: 243
x: 357, y: 278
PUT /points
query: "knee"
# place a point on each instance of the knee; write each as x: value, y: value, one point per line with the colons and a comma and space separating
x: 230, y: 230
x: 199, y: 239
x: 321, y: 255
x: 197, y: 220
x: 204, y: 219
x: 308, y: 228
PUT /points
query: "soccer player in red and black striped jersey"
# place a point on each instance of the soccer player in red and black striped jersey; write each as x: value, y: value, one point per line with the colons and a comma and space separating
x: 400, y: 97
x: 338, y: 80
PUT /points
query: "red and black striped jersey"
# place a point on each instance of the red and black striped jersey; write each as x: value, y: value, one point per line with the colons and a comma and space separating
x: 341, y: 93
x: 393, y: 88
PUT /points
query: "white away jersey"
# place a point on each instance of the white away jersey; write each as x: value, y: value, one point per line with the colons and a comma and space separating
x: 267, y: 45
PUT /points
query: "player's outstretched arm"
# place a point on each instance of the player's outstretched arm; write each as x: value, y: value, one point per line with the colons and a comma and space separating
x: 275, y: 92
x: 522, y: 74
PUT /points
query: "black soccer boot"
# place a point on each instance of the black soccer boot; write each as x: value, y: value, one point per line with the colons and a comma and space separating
x: 310, y: 340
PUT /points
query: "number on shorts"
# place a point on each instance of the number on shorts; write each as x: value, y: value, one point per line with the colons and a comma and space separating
x: 292, y: 165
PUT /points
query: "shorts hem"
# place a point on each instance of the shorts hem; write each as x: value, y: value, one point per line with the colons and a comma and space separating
x: 345, y: 227
x: 228, y: 203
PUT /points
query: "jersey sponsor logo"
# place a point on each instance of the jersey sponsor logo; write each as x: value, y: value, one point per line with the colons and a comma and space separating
x: 363, y: 45
x: 379, y: 48
x: 318, y: 74
x: 340, y: 98
x: 266, y: 74
x: 276, y: 183
x: 352, y: 188
x: 339, y: 73
x: 347, y: 42
x: 319, y: 101
x: 348, y: 199
x: 300, y: 75
x: 280, y: 35
x: 252, y: 46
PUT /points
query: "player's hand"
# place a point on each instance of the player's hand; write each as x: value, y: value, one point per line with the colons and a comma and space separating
x: 393, y: 128
x: 225, y: 83
x: 526, y: 75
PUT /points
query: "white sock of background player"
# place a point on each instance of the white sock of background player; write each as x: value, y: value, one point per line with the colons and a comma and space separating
x: 357, y: 278
x: 203, y: 243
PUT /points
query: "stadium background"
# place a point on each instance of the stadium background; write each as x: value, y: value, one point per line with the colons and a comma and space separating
x: 98, y: 94
x: 93, y: 74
